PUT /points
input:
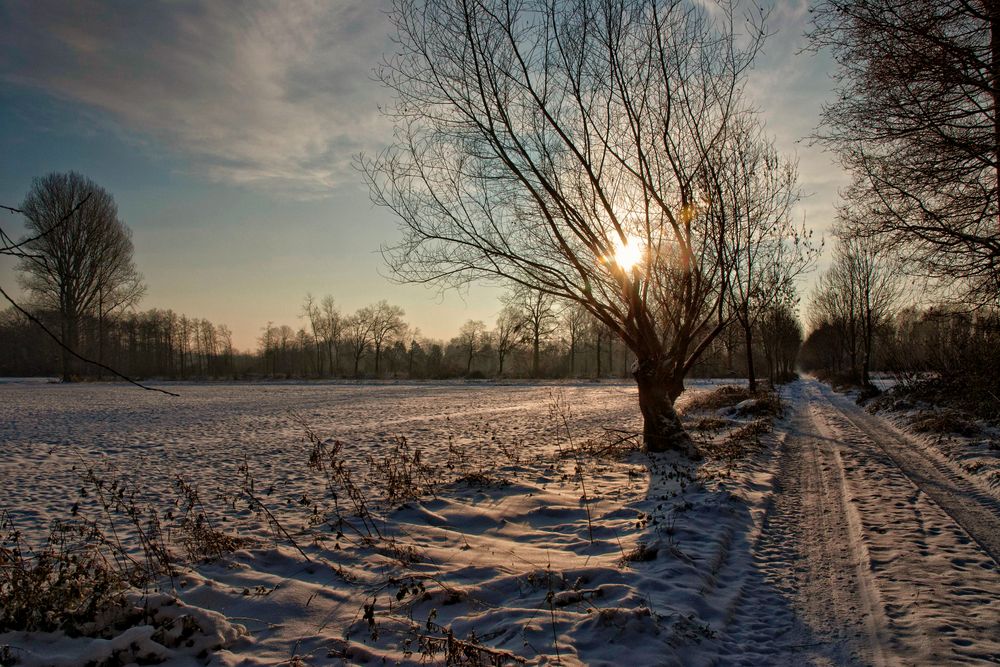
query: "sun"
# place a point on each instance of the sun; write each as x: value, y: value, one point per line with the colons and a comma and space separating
x: 628, y: 253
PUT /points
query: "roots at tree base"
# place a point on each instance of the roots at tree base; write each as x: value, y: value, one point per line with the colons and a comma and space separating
x: 661, y: 427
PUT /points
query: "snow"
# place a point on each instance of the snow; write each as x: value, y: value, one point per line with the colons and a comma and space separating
x: 533, y: 538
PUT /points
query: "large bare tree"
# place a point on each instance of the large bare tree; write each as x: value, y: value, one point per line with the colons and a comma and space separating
x: 562, y: 145
x: 80, y: 265
x: 916, y: 121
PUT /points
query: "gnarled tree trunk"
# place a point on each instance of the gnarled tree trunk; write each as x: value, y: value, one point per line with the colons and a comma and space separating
x: 661, y: 427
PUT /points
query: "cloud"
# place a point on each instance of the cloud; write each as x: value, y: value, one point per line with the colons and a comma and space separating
x: 276, y: 96
x: 789, y: 84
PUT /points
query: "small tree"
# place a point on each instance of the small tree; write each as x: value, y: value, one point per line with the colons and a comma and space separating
x: 77, y: 265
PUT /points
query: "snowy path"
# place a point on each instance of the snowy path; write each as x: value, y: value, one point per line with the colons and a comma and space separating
x: 888, y: 556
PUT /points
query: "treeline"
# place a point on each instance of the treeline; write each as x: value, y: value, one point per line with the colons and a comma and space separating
x: 531, y: 337
x: 918, y: 222
x: 152, y: 343
x: 863, y: 320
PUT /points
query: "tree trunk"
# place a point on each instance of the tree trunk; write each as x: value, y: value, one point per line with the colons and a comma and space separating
x: 751, y: 375
x: 69, y: 341
x: 598, y: 354
x: 535, y: 357
x: 661, y: 427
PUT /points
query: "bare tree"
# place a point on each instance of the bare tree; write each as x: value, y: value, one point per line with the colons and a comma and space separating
x: 562, y: 146
x: 80, y: 264
x: 472, y: 337
x: 763, y: 250
x: 916, y: 121
x: 386, y: 323
x: 507, y: 335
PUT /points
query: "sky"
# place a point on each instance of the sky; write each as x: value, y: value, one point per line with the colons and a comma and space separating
x: 228, y: 132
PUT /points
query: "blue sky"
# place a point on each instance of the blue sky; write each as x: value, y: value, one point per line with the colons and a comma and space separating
x: 226, y: 133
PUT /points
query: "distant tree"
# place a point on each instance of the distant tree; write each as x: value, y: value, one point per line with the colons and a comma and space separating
x: 780, y: 335
x: 314, y: 315
x: 386, y: 324
x: 81, y: 265
x: 507, y: 334
x: 472, y: 337
x: 413, y: 350
x: 359, y: 334
x: 857, y: 295
x: 332, y: 327
x: 538, y: 314
x: 575, y: 320
x: 916, y: 119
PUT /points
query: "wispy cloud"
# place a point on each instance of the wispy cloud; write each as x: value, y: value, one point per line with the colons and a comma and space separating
x: 277, y: 96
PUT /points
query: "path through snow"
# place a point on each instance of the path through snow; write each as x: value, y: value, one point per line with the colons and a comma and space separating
x: 889, y: 557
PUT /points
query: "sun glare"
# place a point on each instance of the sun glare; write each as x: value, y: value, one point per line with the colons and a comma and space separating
x: 627, y: 254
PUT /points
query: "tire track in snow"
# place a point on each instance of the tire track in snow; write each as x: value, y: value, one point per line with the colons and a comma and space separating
x: 977, y: 513
x: 923, y: 536
x: 809, y: 550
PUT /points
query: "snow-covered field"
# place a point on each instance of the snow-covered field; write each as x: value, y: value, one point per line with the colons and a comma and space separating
x: 525, y: 538
x: 421, y: 523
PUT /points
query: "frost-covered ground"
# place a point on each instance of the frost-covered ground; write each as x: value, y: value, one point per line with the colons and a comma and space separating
x: 522, y: 531
x: 526, y: 538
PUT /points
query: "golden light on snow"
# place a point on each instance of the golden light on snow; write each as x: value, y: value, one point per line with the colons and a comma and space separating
x: 628, y: 253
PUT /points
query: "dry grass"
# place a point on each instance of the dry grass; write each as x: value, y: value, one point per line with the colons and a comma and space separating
x: 944, y: 421
x: 709, y: 424
x: 62, y: 586
x: 721, y: 397
x: 741, y: 401
x: 738, y: 444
